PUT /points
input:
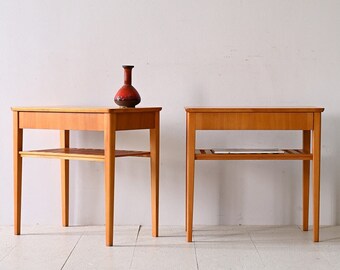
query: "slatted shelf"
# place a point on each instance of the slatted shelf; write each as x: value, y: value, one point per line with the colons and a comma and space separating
x: 289, y: 154
x: 81, y: 153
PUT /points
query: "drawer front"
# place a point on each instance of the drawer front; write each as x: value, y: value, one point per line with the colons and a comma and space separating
x: 61, y: 121
x: 254, y: 121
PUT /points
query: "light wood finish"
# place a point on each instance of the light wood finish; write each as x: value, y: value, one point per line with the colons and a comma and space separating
x: 190, y: 165
x: 81, y: 154
x: 306, y: 119
x: 108, y: 120
x: 142, y: 119
x: 17, y: 166
x: 253, y: 109
x: 64, y: 109
x: 85, y: 109
x: 65, y: 176
x: 109, y: 146
x: 62, y: 121
x: 254, y: 121
x: 154, y: 162
x: 316, y: 141
x: 289, y: 154
x: 305, y: 180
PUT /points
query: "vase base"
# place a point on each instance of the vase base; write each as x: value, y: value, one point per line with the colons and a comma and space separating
x: 126, y: 107
x: 127, y: 103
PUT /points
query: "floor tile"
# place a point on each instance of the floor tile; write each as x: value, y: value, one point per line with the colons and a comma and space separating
x: 215, y: 234
x: 292, y: 256
x: 7, y: 242
x: 277, y: 233
x: 225, y: 247
x: 329, y: 244
x: 287, y: 247
x: 39, y: 251
x: 168, y: 251
x: 213, y: 247
x: 92, y: 253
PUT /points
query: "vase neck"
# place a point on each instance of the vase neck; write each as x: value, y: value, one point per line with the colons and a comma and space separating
x: 127, y: 75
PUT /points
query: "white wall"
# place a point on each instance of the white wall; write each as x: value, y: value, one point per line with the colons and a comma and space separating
x: 186, y: 53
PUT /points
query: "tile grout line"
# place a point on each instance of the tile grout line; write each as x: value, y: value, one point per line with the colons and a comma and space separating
x: 258, y: 253
x: 197, y: 267
x: 71, y: 252
x: 9, y: 253
x: 134, y: 248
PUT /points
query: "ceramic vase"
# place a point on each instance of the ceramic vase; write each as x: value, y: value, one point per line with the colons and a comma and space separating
x: 127, y: 96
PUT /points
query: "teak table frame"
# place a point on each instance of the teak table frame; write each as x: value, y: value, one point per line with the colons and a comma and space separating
x: 307, y: 119
x: 99, y: 119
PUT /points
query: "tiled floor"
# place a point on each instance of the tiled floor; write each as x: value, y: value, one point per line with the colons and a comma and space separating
x: 214, y: 247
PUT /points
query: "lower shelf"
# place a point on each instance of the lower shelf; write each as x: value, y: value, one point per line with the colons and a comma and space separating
x: 80, y: 153
x: 289, y: 154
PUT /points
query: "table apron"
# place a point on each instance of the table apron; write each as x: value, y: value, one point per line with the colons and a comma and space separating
x: 140, y: 120
x: 62, y: 121
x: 84, y: 121
x: 254, y: 121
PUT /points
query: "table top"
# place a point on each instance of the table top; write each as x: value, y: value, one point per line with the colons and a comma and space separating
x: 253, y: 109
x: 72, y: 109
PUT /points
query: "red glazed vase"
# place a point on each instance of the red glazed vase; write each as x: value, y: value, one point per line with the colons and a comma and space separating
x: 127, y: 95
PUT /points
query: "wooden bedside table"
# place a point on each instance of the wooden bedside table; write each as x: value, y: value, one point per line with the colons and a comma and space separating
x: 306, y: 119
x: 107, y: 120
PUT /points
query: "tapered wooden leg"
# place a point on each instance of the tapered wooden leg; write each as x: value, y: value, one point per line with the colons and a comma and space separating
x: 186, y: 179
x: 316, y: 174
x: 190, y: 171
x: 65, y: 175
x: 109, y: 148
x: 154, y: 150
x: 186, y: 184
x: 305, y: 180
x: 17, y: 166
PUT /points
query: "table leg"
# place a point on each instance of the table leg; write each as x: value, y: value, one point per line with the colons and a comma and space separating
x: 190, y: 171
x: 186, y: 183
x: 65, y: 175
x: 316, y: 173
x: 17, y: 147
x: 154, y: 160
x: 305, y: 180
x: 109, y: 148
